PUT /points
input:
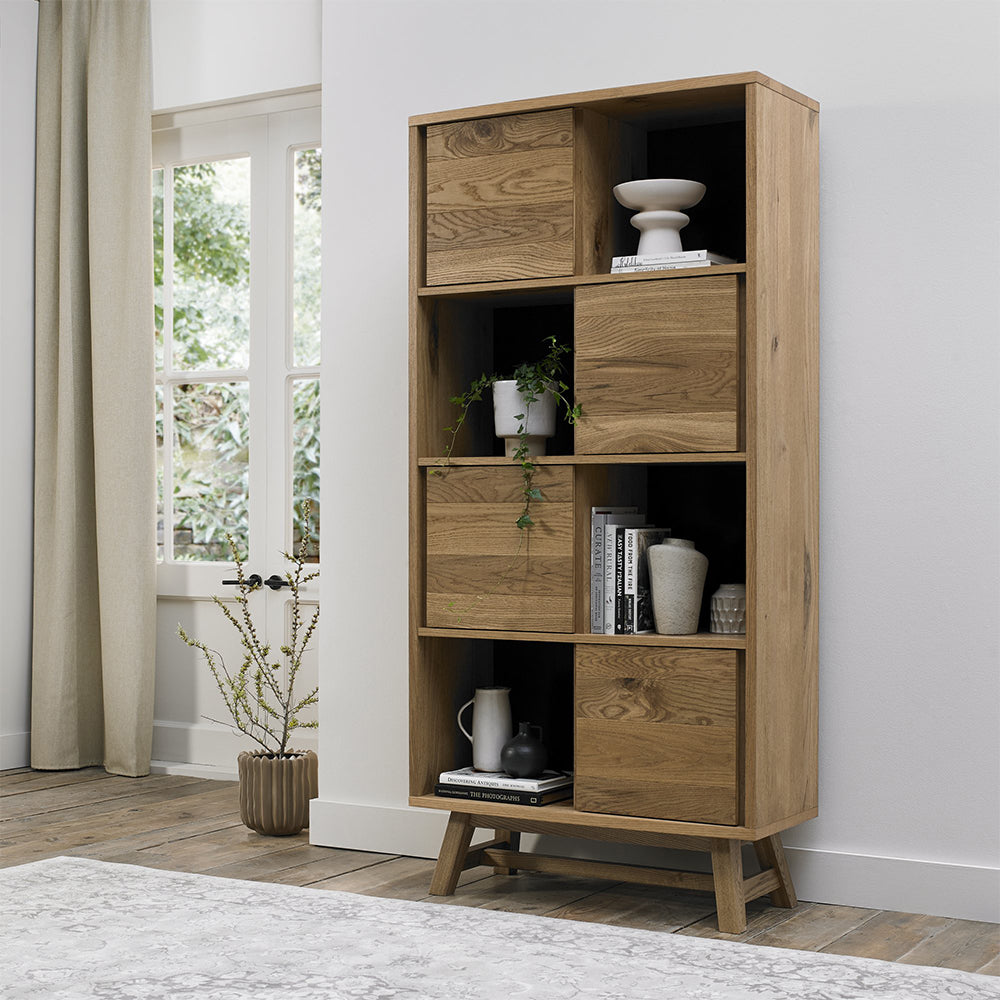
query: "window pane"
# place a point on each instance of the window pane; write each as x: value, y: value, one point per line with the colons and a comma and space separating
x: 158, y: 266
x: 211, y: 283
x: 159, y: 473
x: 211, y: 452
x: 305, y: 462
x: 306, y: 256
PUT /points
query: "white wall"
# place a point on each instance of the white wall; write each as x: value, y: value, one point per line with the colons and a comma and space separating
x: 213, y: 50
x: 909, y: 398
x: 18, y: 33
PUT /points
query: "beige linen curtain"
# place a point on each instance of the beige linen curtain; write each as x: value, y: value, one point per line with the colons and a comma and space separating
x: 94, y: 569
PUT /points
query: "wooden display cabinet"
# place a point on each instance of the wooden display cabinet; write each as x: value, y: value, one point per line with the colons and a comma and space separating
x: 699, y: 391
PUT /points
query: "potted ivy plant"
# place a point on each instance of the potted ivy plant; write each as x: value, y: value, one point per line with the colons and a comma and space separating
x: 525, y: 407
x: 276, y: 781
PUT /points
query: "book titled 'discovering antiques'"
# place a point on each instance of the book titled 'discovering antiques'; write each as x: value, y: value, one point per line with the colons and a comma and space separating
x: 547, y: 781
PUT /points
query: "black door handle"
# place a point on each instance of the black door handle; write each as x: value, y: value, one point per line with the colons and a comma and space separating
x: 253, y: 581
x: 276, y: 582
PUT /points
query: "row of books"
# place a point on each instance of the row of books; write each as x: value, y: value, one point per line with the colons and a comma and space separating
x: 498, y: 786
x: 667, y: 261
x: 620, y: 599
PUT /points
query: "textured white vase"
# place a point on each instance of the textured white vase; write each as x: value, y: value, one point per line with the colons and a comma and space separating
x: 677, y: 579
x: 728, y: 609
x: 541, y: 414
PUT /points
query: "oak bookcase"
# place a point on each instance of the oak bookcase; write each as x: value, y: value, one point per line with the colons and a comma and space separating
x: 699, y: 390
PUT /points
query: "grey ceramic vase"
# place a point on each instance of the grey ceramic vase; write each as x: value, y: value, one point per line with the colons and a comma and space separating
x: 677, y: 579
x: 275, y: 791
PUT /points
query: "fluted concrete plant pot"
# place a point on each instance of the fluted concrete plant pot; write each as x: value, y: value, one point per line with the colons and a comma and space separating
x: 275, y: 791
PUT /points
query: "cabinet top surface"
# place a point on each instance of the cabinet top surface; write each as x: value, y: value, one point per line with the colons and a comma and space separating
x: 703, y: 91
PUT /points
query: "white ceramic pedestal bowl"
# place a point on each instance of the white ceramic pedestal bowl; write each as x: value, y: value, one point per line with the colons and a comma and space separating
x: 660, y: 201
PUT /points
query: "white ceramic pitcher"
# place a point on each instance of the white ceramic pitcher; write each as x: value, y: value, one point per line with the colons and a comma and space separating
x: 491, y: 726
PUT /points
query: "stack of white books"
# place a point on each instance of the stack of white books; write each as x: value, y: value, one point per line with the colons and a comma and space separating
x: 667, y: 261
x: 498, y: 786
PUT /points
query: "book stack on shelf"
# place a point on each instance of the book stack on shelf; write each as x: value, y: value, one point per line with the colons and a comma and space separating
x: 498, y: 786
x: 667, y: 261
x: 620, y: 600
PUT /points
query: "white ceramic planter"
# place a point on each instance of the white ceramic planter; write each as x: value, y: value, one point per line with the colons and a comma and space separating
x: 677, y: 579
x: 541, y: 415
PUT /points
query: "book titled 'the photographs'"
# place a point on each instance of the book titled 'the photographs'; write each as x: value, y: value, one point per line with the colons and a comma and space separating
x: 502, y: 796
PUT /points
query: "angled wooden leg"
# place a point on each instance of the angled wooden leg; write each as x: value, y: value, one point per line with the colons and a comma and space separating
x: 451, y: 860
x: 727, y: 872
x: 514, y: 839
x: 771, y: 855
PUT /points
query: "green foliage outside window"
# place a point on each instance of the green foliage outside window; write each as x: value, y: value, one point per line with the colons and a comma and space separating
x: 211, y: 260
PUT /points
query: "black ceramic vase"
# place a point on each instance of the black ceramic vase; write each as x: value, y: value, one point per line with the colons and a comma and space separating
x: 525, y: 755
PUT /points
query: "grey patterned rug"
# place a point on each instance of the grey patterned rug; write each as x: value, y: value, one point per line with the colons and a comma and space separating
x: 70, y: 927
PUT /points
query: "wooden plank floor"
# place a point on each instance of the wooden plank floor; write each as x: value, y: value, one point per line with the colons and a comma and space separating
x: 193, y: 825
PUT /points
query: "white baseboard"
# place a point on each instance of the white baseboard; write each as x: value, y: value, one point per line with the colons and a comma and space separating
x: 968, y: 892
x: 382, y: 829
x: 15, y: 750
x: 193, y: 770
x: 912, y: 886
x: 204, y: 745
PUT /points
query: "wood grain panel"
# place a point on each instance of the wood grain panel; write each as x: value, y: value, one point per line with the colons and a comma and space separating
x: 656, y: 770
x: 587, y: 824
x: 435, y: 694
x: 453, y: 572
x: 646, y: 684
x: 677, y: 432
x: 502, y: 134
x: 473, y: 289
x: 452, y: 345
x: 606, y: 152
x: 656, y: 732
x: 499, y: 263
x: 782, y: 455
x: 721, y: 93
x: 704, y: 803
x: 482, y: 571
x: 488, y: 529
x: 658, y: 366
x: 473, y: 484
x: 646, y: 313
x: 548, y: 224
x: 512, y: 180
x: 592, y: 189
x: 701, y: 373
x: 655, y: 752
x: 500, y: 198
x: 494, y: 610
